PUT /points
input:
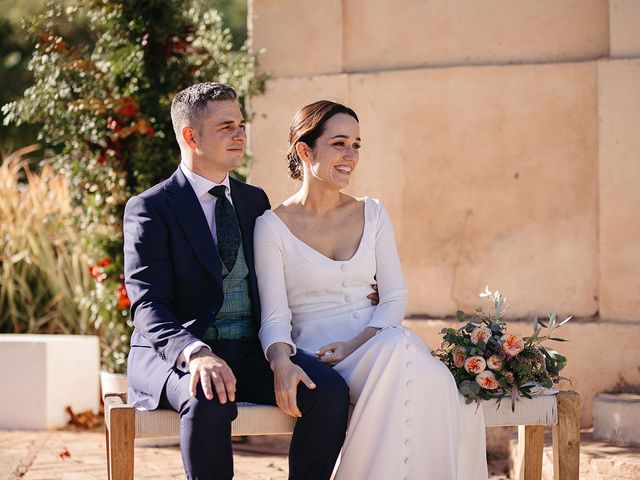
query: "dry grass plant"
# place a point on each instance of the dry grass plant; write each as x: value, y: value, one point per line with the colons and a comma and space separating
x: 43, y: 271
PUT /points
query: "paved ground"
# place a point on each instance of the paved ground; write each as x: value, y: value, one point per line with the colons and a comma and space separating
x: 79, y: 455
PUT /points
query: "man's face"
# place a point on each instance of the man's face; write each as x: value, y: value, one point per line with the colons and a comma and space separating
x: 220, y: 138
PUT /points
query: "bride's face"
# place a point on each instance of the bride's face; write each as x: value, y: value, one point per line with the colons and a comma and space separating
x: 335, y: 154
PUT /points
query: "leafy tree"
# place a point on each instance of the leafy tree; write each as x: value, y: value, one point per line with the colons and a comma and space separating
x: 104, y: 115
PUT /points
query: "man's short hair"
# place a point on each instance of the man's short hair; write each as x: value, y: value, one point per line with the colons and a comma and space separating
x: 189, y: 106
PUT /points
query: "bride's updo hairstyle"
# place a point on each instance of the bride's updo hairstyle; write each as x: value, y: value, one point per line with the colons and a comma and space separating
x: 307, y: 126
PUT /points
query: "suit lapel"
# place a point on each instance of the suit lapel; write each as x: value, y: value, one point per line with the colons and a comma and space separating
x: 188, y: 212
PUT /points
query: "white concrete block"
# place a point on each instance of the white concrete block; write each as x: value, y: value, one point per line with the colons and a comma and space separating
x: 42, y: 375
x: 616, y: 418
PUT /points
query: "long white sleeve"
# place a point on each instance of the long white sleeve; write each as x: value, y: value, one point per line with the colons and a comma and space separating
x: 392, y: 287
x: 275, y: 323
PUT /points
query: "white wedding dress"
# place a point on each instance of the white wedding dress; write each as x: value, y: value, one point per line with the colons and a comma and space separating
x: 408, y: 421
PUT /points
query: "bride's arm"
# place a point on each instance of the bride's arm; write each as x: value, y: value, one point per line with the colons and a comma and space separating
x: 275, y: 325
x: 392, y: 287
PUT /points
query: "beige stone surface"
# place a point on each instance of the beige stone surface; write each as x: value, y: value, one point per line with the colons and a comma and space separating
x: 619, y: 174
x: 624, y: 25
x: 616, y: 418
x: 299, y: 37
x: 600, y: 354
x: 40, y: 375
x: 309, y: 37
x: 489, y: 174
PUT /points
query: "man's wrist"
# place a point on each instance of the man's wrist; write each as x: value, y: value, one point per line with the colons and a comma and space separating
x: 201, y: 352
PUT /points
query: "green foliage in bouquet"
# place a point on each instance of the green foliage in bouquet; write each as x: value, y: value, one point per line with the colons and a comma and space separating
x: 487, y: 361
x: 104, y: 111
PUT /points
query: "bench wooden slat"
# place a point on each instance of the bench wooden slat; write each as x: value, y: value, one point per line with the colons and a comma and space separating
x: 124, y: 423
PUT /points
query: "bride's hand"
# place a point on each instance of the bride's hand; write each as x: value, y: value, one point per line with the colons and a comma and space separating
x: 333, y: 353
x: 286, y: 376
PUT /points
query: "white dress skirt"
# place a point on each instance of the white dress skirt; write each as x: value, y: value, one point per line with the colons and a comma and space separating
x: 408, y: 420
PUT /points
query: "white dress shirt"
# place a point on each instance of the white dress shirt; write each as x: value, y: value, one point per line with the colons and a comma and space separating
x: 201, y: 187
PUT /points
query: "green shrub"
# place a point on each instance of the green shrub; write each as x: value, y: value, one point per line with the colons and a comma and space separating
x: 104, y: 112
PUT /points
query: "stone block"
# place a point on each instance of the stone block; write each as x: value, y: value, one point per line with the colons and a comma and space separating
x: 386, y: 35
x: 616, y: 418
x: 490, y: 177
x: 619, y: 173
x: 42, y: 375
x: 624, y: 25
x: 299, y: 37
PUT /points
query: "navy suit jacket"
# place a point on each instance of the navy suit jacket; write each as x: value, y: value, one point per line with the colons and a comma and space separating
x: 173, y: 276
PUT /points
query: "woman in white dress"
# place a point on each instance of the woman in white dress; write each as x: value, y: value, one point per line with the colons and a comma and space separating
x: 316, y: 256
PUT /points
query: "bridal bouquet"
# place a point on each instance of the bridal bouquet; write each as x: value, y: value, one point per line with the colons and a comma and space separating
x: 487, y: 361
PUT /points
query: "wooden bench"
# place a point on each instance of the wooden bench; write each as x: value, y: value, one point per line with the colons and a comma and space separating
x: 123, y: 423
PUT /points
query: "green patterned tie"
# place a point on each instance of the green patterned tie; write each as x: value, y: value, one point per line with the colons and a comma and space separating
x: 227, y: 228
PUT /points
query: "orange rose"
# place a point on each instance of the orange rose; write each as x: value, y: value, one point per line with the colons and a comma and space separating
x: 512, y: 344
x: 475, y: 364
x: 494, y: 363
x: 480, y: 333
x: 487, y: 380
x: 459, y: 356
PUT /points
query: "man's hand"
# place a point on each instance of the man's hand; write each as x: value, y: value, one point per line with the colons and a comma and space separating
x: 205, y: 367
x: 335, y: 352
x: 374, y: 297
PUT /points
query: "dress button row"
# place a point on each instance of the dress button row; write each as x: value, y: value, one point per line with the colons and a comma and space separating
x: 410, y: 384
x: 355, y: 315
x: 406, y: 460
x: 347, y: 298
x: 343, y: 267
x: 344, y: 284
x: 407, y: 442
x: 409, y: 347
x: 408, y: 404
x: 408, y: 422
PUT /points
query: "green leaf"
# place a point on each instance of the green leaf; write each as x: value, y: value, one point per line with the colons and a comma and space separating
x: 461, y: 315
x: 564, y: 321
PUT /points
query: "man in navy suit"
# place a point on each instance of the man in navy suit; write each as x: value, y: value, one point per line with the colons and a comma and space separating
x: 190, y: 276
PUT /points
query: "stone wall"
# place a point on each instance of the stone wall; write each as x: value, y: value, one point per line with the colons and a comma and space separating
x: 501, y: 136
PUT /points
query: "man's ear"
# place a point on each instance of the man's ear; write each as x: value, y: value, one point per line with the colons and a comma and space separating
x: 189, y: 138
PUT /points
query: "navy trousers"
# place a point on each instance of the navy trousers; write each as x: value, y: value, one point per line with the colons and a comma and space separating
x: 205, y: 425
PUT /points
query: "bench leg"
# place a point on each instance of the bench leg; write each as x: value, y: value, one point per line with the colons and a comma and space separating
x: 120, y: 435
x: 107, y: 447
x: 566, y: 437
x: 530, y: 446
